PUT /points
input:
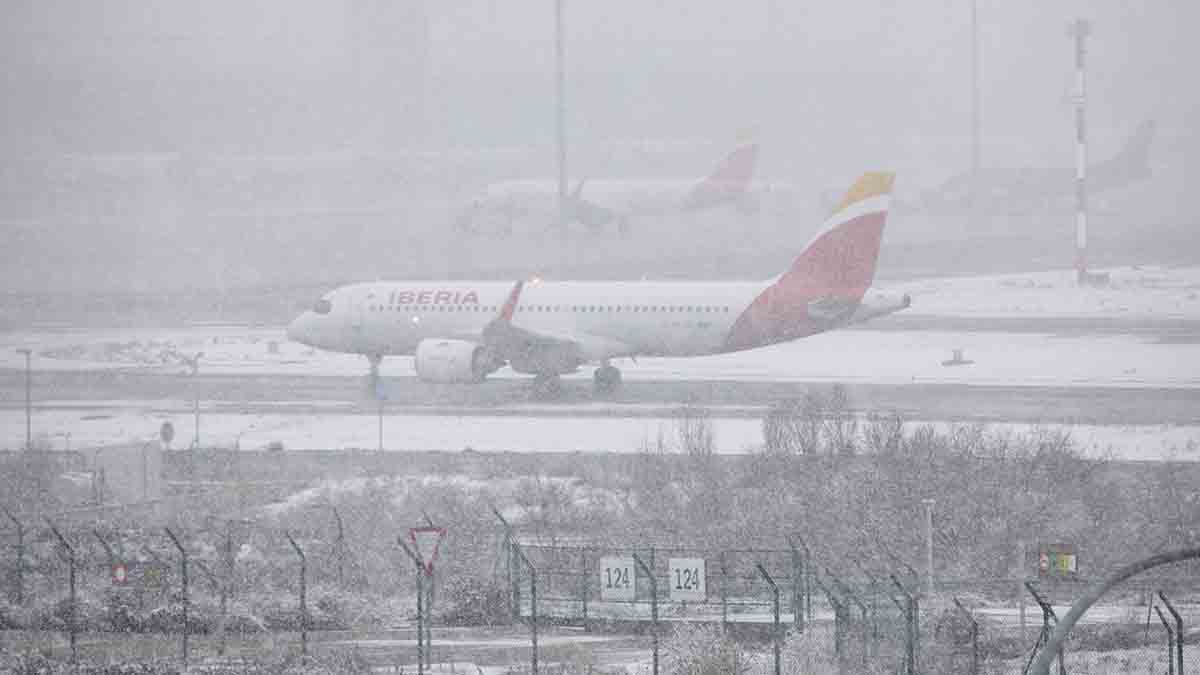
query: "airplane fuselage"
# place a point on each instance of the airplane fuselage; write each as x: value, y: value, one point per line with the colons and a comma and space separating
x: 618, y: 318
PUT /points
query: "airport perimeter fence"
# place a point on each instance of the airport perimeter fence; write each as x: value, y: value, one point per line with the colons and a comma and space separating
x: 876, y: 616
x: 113, y: 592
x: 107, y: 593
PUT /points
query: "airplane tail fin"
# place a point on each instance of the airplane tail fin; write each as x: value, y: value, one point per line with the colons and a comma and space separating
x: 826, y: 283
x: 728, y: 180
x: 1136, y: 153
x: 840, y: 260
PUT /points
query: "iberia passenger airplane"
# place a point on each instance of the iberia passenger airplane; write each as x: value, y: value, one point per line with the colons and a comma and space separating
x: 462, y: 331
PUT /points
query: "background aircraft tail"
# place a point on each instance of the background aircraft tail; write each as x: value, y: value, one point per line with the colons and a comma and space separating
x: 1132, y: 163
x: 1137, y: 149
x: 728, y: 181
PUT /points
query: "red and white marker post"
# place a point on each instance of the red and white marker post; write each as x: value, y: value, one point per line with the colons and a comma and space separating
x: 423, y: 551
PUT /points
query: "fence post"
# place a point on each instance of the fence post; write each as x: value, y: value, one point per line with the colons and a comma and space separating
x: 183, y: 573
x: 1044, y: 636
x: 874, y: 585
x: 220, y: 588
x: 420, y: 605
x: 340, y: 542
x: 1170, y: 641
x: 847, y: 593
x: 303, y: 597
x: 724, y: 592
x: 838, y: 623
x: 797, y: 586
x: 649, y: 572
x: 20, y: 557
x: 511, y: 565
x: 910, y: 653
x: 809, y: 577
x: 584, y: 586
x: 533, y: 614
x: 777, y: 637
x: 72, y: 626
x: 1178, y: 632
x: 974, y: 635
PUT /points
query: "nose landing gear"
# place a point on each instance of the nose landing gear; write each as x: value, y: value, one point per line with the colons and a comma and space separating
x: 373, y: 377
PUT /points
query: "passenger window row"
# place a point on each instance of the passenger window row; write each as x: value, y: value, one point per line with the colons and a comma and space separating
x: 554, y: 308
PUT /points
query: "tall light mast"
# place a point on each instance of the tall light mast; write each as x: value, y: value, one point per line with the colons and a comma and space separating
x: 1079, y: 30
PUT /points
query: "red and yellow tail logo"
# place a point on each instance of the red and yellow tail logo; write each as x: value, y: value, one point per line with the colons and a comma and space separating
x: 834, y: 270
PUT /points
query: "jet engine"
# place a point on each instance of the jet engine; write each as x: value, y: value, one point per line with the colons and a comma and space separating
x: 449, y: 361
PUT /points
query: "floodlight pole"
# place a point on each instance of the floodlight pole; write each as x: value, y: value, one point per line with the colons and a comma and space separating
x: 183, y: 573
x: 560, y: 114
x: 72, y: 626
x: 1079, y: 30
x: 653, y: 607
x: 28, y: 397
x: 974, y: 108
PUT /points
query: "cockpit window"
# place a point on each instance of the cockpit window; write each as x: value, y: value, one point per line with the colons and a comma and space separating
x: 323, y: 306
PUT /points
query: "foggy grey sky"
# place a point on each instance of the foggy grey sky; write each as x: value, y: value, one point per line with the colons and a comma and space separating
x: 828, y: 88
x: 1140, y: 58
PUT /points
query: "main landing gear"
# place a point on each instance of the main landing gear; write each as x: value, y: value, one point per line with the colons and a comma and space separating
x: 606, y: 379
x: 547, y: 386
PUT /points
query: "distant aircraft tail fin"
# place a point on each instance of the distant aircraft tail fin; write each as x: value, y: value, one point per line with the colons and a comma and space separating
x: 826, y: 283
x: 1136, y: 153
x: 728, y: 181
x: 1131, y: 164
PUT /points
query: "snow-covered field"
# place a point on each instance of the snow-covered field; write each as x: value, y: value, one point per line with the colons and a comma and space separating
x: 1022, y: 359
x: 1132, y: 294
x: 100, y: 426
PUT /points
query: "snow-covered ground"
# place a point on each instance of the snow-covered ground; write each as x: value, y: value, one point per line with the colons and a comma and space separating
x: 108, y: 426
x: 1132, y: 294
x: 896, y: 356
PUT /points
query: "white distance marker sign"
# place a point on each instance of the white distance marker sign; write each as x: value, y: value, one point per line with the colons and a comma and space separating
x: 618, y: 581
x: 687, y: 580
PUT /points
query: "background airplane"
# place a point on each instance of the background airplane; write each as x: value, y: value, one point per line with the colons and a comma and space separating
x: 600, y: 202
x: 1029, y: 190
x: 463, y: 331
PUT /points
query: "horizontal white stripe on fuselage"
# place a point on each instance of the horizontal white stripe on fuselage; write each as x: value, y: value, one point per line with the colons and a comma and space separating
x: 646, y: 318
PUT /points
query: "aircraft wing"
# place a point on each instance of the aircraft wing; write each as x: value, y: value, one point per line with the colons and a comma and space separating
x: 543, y: 351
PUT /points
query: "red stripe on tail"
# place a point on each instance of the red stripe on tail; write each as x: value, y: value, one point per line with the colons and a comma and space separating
x: 831, y: 276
